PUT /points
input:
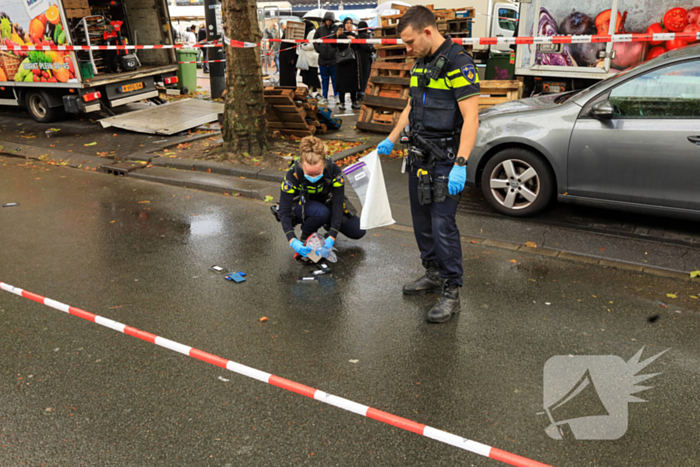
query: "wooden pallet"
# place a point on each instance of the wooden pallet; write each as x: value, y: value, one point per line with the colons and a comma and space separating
x: 289, y: 112
x: 385, y: 97
x: 497, y: 92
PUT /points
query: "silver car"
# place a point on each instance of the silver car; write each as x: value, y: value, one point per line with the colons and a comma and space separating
x: 630, y: 142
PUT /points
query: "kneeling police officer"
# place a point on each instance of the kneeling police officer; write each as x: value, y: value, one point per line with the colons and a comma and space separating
x: 313, y: 195
x: 443, y: 116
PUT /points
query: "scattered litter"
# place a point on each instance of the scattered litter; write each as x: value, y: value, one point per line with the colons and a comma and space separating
x: 218, y: 269
x: 161, y: 141
x: 223, y: 379
x: 661, y: 303
x: 323, y: 269
x: 9, y: 205
x: 353, y: 361
x: 235, y: 277
x: 547, y: 303
x: 313, y: 280
x: 56, y: 349
x: 263, y: 319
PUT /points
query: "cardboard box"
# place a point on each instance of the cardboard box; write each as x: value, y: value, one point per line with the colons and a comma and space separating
x: 76, y: 4
x: 77, y: 12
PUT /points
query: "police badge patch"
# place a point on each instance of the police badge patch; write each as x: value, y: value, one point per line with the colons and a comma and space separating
x: 470, y: 73
x: 287, y: 187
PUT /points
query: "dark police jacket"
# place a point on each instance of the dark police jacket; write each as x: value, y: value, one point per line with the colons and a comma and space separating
x: 296, y: 189
x: 434, y: 109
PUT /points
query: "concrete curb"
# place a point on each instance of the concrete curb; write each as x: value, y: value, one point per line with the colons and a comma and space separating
x: 569, y: 256
x: 71, y: 159
x: 255, y: 189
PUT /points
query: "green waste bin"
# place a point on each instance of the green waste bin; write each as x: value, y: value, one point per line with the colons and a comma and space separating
x: 501, y: 66
x: 187, y: 72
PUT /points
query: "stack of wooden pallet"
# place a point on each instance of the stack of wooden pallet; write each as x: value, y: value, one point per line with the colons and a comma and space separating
x: 387, y: 89
x: 497, y: 92
x: 290, y: 112
x: 385, y: 97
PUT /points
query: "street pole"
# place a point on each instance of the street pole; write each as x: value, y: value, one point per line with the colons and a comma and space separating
x: 217, y: 71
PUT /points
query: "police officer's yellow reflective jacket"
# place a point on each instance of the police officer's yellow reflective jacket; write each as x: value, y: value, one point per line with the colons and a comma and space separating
x: 434, y: 109
x: 330, y: 190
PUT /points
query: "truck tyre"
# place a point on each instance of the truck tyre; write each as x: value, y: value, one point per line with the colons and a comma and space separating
x: 39, y: 108
x: 518, y: 182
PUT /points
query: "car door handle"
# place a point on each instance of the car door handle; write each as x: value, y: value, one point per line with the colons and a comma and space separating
x: 694, y: 139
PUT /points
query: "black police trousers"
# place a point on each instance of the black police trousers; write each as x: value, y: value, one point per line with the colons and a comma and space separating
x: 435, y: 225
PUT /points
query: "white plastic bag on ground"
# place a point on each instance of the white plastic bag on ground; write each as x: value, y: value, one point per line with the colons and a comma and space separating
x: 367, y: 178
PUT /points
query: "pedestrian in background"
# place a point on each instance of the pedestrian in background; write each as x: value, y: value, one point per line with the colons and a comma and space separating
x: 326, y: 54
x: 347, y: 65
x: 190, y: 36
x: 202, y: 38
x: 310, y: 77
x: 288, y: 62
x: 364, y: 57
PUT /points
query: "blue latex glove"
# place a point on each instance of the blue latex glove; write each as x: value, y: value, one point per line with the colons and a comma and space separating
x: 299, y: 247
x: 385, y: 147
x: 458, y: 177
x: 326, y: 248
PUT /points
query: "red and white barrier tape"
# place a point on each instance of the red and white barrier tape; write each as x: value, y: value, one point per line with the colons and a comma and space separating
x: 663, y: 37
x: 204, y: 61
x: 345, y: 404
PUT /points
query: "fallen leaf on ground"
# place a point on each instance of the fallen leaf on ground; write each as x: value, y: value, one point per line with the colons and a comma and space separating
x: 263, y: 319
x: 671, y: 295
x: 695, y: 274
x: 513, y: 260
x: 531, y: 244
x: 91, y: 144
x: 144, y: 202
x: 269, y: 199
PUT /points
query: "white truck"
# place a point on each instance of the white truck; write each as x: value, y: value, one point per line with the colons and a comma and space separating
x: 49, y: 83
x: 553, y: 68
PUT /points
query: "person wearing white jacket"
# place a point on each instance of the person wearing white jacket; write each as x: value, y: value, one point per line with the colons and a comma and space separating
x: 308, y: 55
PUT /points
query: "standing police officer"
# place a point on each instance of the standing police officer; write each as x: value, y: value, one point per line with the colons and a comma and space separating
x: 443, y: 115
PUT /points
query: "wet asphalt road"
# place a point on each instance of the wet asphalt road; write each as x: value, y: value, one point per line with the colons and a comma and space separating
x: 75, y: 393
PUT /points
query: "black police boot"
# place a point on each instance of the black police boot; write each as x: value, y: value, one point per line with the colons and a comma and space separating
x: 447, y: 306
x: 429, y: 283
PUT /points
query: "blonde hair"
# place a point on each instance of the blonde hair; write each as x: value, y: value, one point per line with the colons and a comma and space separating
x: 312, y: 151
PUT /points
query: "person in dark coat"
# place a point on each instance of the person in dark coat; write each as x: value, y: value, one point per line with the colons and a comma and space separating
x: 348, y: 73
x: 288, y: 62
x: 326, y: 54
x: 364, y: 57
x: 202, y: 38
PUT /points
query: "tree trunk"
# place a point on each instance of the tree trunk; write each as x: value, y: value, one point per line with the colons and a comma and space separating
x: 245, y: 126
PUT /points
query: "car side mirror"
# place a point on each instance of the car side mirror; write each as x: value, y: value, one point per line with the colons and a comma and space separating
x: 602, y: 110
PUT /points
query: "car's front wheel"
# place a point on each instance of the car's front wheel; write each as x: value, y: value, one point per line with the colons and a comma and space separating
x: 518, y: 182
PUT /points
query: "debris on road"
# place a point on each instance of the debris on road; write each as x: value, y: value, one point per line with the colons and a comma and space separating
x: 10, y: 205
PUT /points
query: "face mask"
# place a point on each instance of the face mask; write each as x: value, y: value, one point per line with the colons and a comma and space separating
x: 313, y: 179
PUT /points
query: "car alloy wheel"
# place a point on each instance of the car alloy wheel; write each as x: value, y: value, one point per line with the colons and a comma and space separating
x: 514, y: 184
